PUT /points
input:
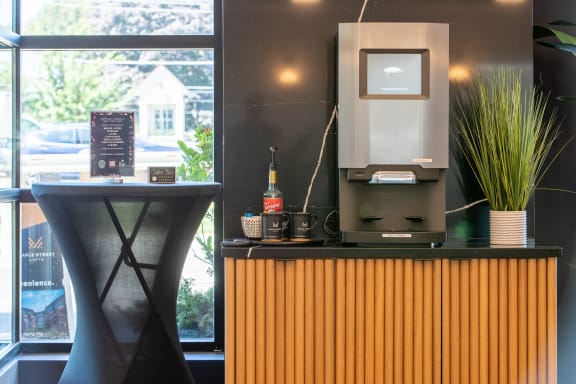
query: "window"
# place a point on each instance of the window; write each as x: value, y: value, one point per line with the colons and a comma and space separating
x: 158, y: 59
x: 163, y: 122
x: 6, y: 273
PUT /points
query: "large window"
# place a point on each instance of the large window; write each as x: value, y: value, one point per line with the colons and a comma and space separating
x: 158, y: 59
x: 6, y: 274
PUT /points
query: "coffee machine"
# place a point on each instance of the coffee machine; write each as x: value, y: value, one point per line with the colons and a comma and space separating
x: 393, y: 101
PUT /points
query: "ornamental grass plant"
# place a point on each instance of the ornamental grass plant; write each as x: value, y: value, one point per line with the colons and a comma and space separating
x: 505, y: 134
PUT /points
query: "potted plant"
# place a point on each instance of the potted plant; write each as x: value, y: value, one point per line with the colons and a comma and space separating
x: 505, y: 136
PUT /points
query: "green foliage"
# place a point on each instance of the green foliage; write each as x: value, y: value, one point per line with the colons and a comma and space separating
x: 194, y: 316
x: 505, y: 137
x: 550, y: 36
x: 198, y: 160
x: 195, y: 309
x: 5, y: 73
x: 68, y: 85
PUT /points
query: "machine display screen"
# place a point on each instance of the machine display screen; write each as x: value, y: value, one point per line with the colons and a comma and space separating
x: 394, y: 74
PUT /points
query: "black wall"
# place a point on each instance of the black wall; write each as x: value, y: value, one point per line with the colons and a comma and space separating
x: 263, y: 36
x: 555, y: 211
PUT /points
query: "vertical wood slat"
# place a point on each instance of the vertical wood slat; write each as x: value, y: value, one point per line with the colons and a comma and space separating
x: 340, y: 337
x: 230, y: 319
x: 455, y: 340
x: 513, y: 321
x: 398, y: 321
x: 360, y: 310
x: 493, y: 317
x: 350, y: 320
x: 541, y: 318
x: 552, y: 321
x: 379, y: 321
x: 408, y: 325
x: 532, y: 322
x: 300, y: 322
x: 464, y: 314
x: 369, y: 329
x: 446, y: 328
x: 319, y: 322
x: 270, y: 321
x: 289, y: 320
x: 250, y: 323
x: 309, y: 326
x: 474, y: 317
x: 437, y: 321
x: 419, y: 306
x: 329, y: 321
x: 389, y: 321
x: 280, y: 326
x: 240, y: 376
x: 523, y: 321
x: 503, y: 320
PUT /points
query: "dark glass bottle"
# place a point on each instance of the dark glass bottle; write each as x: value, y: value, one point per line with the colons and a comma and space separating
x: 273, y: 198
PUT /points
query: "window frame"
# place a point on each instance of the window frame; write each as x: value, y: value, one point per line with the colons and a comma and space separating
x: 17, y: 43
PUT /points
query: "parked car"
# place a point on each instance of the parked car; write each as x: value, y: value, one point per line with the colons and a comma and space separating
x: 75, y: 138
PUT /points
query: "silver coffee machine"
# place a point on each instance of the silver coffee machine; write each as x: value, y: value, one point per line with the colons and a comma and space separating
x: 393, y: 100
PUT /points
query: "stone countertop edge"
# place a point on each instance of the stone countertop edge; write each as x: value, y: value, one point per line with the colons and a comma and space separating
x: 447, y: 251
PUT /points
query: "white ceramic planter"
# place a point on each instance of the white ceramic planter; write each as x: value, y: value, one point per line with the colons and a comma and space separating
x: 508, y: 228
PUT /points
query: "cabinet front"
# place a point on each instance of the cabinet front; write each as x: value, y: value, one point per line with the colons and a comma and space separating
x: 333, y: 321
x: 499, y: 321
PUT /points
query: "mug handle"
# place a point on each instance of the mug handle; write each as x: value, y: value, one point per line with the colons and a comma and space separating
x: 314, y: 220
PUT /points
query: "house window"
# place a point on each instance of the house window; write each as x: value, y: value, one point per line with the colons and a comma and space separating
x: 163, y: 123
x: 159, y: 59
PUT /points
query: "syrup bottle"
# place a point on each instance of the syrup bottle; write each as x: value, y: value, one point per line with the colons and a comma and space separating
x: 273, y: 198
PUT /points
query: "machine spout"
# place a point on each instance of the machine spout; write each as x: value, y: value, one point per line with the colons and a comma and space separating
x: 393, y: 177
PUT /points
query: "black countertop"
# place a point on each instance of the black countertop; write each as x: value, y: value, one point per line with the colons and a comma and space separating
x: 319, y: 250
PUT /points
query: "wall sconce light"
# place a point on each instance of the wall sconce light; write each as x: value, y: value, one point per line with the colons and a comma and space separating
x: 459, y: 73
x: 509, y: 2
x: 288, y: 76
x: 305, y: 2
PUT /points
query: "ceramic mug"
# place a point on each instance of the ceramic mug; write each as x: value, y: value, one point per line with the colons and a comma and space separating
x: 274, y: 226
x: 301, y: 224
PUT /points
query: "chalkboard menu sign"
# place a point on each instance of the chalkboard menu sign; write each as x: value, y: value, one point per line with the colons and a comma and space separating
x: 111, y: 144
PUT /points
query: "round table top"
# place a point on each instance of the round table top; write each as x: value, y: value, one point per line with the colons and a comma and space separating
x: 125, y: 189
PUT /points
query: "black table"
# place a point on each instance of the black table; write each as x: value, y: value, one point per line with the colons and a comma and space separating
x: 125, y: 246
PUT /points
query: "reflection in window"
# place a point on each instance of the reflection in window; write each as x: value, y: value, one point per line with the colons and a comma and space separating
x: 6, y: 274
x: 47, y: 298
x: 111, y: 17
x: 6, y: 121
x: 6, y: 14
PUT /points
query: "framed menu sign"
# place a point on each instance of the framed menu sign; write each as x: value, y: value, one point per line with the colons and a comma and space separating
x: 111, y: 144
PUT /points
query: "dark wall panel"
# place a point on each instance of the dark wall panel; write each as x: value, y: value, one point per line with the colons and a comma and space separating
x: 261, y: 37
x: 555, y: 219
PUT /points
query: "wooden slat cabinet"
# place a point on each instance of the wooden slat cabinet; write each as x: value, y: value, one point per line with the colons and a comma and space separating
x: 390, y: 321
x: 499, y: 321
x: 333, y: 321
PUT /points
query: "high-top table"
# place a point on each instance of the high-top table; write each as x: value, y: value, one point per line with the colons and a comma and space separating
x: 125, y: 246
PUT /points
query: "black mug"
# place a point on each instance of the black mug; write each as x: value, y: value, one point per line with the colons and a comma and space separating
x: 274, y: 226
x: 301, y: 224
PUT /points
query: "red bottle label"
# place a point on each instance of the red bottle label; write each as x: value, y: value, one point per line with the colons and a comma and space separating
x: 273, y: 204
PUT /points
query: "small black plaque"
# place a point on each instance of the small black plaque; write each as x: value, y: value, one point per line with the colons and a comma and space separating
x: 162, y: 175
